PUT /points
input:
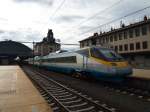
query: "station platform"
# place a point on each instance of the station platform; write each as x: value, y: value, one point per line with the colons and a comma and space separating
x: 141, y: 73
x: 18, y: 94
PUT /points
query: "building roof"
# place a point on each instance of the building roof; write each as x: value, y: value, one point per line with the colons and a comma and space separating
x: 12, y: 48
x: 119, y: 29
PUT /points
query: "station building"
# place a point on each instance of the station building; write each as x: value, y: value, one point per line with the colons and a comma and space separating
x: 47, y: 45
x: 132, y: 42
x: 11, y: 50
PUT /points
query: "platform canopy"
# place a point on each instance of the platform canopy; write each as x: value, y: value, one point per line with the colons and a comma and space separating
x: 14, y: 49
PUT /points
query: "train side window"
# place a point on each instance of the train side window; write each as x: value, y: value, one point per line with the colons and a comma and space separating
x: 70, y: 59
x: 84, y: 52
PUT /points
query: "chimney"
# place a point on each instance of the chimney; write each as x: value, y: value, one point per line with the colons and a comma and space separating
x: 145, y: 18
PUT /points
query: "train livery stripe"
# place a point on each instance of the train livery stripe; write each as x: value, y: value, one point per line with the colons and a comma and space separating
x: 118, y: 64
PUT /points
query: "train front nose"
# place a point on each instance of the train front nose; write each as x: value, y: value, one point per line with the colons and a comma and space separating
x: 125, y: 71
x: 120, y: 71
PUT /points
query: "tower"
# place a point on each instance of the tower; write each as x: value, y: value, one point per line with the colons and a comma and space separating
x: 50, y: 37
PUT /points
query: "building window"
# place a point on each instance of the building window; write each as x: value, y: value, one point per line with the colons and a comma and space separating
x: 100, y: 41
x: 125, y: 35
x: 120, y: 36
x: 107, y: 39
x: 93, y: 41
x: 132, y: 46
x: 120, y: 48
x: 145, y: 45
x: 116, y: 48
x: 126, y: 47
x: 111, y: 47
x: 103, y: 40
x: 137, y: 32
x: 97, y: 41
x: 144, y: 30
x: 131, y: 33
x: 138, y: 46
x: 82, y: 44
x: 115, y: 37
x: 87, y: 44
x: 111, y: 38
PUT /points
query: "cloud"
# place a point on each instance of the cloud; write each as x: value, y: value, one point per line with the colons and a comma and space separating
x: 1, y: 31
x: 68, y: 19
x: 70, y: 22
x: 20, y: 35
x: 3, y: 19
x: 45, y: 2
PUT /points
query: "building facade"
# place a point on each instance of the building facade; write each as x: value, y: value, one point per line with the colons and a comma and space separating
x: 132, y: 42
x: 47, y: 45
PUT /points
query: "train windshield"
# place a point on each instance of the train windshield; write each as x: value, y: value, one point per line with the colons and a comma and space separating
x: 106, y: 54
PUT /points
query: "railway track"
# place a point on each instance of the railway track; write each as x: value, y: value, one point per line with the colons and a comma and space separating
x: 64, y: 99
x: 127, y: 89
x: 140, y: 93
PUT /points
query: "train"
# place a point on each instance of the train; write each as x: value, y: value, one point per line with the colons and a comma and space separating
x: 97, y: 62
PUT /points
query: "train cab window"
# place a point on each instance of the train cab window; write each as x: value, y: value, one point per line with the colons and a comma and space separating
x: 105, y: 54
x: 84, y: 52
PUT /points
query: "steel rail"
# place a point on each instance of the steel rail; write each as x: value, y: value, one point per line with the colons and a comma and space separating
x: 85, y: 99
x: 64, y: 109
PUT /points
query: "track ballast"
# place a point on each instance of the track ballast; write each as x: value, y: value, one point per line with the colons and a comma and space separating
x: 64, y: 99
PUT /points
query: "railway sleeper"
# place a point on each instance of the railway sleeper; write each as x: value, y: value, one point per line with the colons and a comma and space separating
x: 74, y: 101
x: 80, y: 105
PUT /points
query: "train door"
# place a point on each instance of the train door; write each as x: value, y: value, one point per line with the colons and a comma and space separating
x: 85, y: 60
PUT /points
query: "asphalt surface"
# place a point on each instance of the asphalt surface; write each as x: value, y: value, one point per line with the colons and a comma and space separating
x: 123, y: 102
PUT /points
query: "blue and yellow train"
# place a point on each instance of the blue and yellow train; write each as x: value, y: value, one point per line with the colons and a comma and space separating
x: 97, y: 62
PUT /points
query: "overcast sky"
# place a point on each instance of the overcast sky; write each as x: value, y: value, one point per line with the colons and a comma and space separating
x: 70, y: 20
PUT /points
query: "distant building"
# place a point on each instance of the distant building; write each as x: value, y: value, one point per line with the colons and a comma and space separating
x: 47, y: 45
x: 11, y: 50
x: 132, y: 42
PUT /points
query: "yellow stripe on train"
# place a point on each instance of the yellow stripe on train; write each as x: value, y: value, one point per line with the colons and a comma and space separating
x: 117, y: 64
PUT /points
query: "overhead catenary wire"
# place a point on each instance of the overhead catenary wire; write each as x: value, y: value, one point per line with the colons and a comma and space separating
x: 97, y: 13
x: 112, y: 21
x: 32, y: 42
x: 52, y: 16
x: 58, y: 8
x: 54, y: 13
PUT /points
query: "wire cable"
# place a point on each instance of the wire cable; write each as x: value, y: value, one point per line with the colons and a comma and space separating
x: 96, y: 14
x: 101, y: 11
x: 132, y: 13
x: 58, y: 8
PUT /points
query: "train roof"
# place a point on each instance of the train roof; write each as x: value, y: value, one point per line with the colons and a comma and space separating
x: 68, y: 53
x: 88, y: 47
